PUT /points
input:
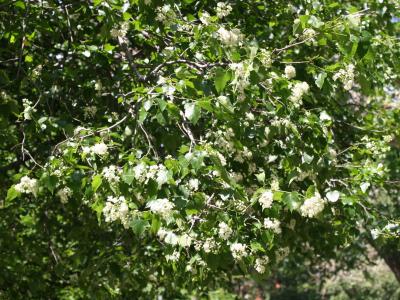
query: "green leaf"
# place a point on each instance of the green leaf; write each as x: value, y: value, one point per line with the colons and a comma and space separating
x: 96, y: 182
x: 138, y: 226
x: 221, y: 79
x: 12, y: 193
x: 291, y: 200
x: 319, y: 81
x: 128, y: 176
x: 50, y: 182
x: 192, y: 112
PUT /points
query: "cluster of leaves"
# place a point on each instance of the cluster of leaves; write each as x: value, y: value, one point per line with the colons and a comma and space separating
x: 115, y: 106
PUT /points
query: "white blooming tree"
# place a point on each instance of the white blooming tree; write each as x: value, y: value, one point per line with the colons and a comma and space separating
x: 165, y: 147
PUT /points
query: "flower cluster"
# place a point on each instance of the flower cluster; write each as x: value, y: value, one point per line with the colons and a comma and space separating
x: 223, y: 9
x: 312, y: 206
x: 266, y: 199
x: 64, y: 194
x: 165, y: 14
x: 28, y: 109
x: 261, y: 264
x: 298, y: 90
x: 27, y: 186
x: 309, y: 33
x: 290, y: 72
x: 99, y: 149
x: 238, y: 250
x: 273, y: 224
x: 115, y: 209
x: 265, y: 58
x: 224, y: 231
x: 161, y: 206
x: 112, y: 174
x: 230, y: 38
x: 241, y: 79
x: 346, y: 76
x: 144, y: 173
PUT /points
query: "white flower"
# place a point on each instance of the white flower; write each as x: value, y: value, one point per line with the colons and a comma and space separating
x: 309, y: 33
x: 27, y: 186
x: 205, y: 18
x: 100, y: 149
x: 375, y: 233
x: 346, y: 76
x: 86, y: 150
x: 298, y: 91
x: 238, y: 250
x: 223, y: 9
x: 290, y: 72
x: 209, y: 245
x: 265, y: 58
x: 165, y: 14
x: 273, y: 224
x: 28, y: 109
x: 224, y: 231
x: 171, y: 238
x: 161, y: 233
x: 173, y: 257
x: 332, y: 196
x: 364, y: 186
x: 312, y: 206
x: 140, y: 172
x: 161, y: 206
x: 230, y: 38
x: 266, y: 199
x: 261, y: 264
x: 115, y: 209
x: 162, y: 175
x: 323, y: 116
x: 64, y: 194
x: 194, y: 184
x: 112, y: 173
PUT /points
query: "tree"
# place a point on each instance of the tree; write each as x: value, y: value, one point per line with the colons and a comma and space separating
x: 163, y: 148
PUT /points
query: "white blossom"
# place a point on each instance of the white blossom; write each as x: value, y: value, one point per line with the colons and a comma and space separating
x: 238, y: 250
x: 273, y: 224
x: 209, y: 245
x: 100, y: 149
x: 290, y: 72
x: 224, y: 231
x: 261, y: 264
x: 64, y: 194
x: 375, y: 233
x: 27, y: 186
x: 312, y: 206
x: 173, y: 257
x: 112, y: 173
x: 266, y: 199
x: 162, y: 175
x: 223, y: 9
x: 161, y: 206
x: 298, y: 90
x: 165, y: 14
x: 205, y: 18
x: 28, y: 109
x: 309, y: 33
x: 265, y: 58
x: 230, y: 38
x: 139, y: 172
x: 115, y: 209
x: 346, y: 76
x: 194, y: 184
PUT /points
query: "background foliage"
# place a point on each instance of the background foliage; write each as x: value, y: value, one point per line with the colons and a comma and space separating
x: 169, y: 147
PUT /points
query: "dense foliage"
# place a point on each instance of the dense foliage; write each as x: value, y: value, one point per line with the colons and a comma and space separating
x: 167, y: 147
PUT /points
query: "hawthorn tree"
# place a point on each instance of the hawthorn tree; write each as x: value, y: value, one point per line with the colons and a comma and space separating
x: 165, y: 147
